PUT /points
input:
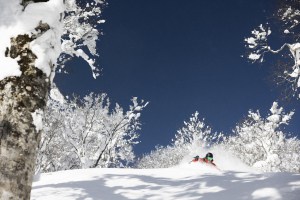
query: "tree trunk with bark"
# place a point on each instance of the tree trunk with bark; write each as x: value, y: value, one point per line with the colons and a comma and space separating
x: 20, y: 97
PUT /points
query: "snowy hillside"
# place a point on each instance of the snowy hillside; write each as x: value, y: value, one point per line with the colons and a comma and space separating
x: 186, y: 182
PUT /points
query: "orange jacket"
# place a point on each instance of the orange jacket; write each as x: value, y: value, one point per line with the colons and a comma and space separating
x: 203, y: 160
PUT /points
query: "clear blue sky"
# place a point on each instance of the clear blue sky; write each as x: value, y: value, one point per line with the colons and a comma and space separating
x: 182, y: 57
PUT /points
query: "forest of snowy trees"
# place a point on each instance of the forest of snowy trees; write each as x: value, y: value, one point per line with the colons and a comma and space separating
x: 89, y: 132
x: 259, y: 142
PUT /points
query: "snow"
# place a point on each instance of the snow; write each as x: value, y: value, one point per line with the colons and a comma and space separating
x: 295, y: 46
x: 251, y: 41
x: 10, y: 67
x: 14, y: 21
x: 186, y: 182
x: 37, y: 116
x: 91, y: 62
x: 296, y: 72
x: 274, y: 118
x: 254, y: 56
x: 269, y: 193
x: 56, y: 95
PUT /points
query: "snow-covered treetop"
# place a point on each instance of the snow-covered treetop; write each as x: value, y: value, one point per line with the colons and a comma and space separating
x: 196, y: 132
x: 276, y: 117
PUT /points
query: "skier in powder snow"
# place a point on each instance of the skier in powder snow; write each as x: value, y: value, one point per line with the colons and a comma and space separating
x: 209, y: 159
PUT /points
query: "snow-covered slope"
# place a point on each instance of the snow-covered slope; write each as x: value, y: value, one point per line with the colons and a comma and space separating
x: 186, y: 182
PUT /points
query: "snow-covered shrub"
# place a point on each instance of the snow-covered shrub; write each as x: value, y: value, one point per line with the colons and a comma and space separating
x: 291, y: 155
x: 260, y: 143
x: 163, y: 157
x: 84, y: 133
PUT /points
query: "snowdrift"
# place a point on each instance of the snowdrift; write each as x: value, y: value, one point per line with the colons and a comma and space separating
x: 186, y: 182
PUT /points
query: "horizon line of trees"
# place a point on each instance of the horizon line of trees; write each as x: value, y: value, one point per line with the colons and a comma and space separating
x: 88, y: 132
x: 258, y: 141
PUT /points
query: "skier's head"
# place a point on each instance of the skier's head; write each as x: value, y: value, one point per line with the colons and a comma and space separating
x: 209, y: 156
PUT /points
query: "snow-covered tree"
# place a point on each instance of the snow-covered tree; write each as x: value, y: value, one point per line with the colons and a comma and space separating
x: 193, y: 136
x: 258, y: 45
x: 50, y: 147
x: 195, y: 132
x: 163, y: 157
x: 31, y: 32
x: 86, y: 133
x: 259, y: 142
x: 291, y: 155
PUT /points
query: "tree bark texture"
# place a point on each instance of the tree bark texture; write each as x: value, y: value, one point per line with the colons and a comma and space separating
x: 19, y: 138
x: 26, y: 2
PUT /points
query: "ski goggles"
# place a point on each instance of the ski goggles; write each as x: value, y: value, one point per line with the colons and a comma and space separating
x: 210, y: 158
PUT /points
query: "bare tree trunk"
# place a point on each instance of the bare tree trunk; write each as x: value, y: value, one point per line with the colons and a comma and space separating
x: 19, y: 137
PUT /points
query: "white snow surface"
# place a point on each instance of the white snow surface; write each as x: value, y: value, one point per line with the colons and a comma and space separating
x: 186, y: 182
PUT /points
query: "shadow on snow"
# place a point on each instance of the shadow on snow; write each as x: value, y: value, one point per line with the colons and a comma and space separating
x: 228, y: 185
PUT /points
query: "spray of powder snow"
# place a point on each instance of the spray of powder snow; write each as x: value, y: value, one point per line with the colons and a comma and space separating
x: 224, y: 160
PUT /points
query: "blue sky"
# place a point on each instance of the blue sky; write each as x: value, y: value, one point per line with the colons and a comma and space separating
x: 182, y: 57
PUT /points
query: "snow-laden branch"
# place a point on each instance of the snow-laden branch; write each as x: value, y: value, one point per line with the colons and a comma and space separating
x: 81, y: 33
x: 258, y: 45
